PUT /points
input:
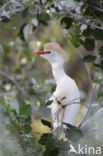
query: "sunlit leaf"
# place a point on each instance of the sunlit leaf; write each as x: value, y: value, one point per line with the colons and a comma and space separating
x: 26, y: 110
x: 74, y: 39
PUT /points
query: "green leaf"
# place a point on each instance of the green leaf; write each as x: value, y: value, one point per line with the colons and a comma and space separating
x: 45, y: 137
x: 96, y: 65
x: 64, y: 106
x: 43, y: 18
x: 87, y: 32
x: 32, y: 139
x: 53, y: 89
x: 21, y: 34
x: 58, y: 102
x: 75, y: 40
x: 51, y: 144
x: 27, y: 128
x: 98, y: 34
x: 63, y: 98
x: 42, y: 80
x: 101, y: 51
x: 66, y: 22
x: 89, y: 44
x: 5, y: 19
x: 46, y: 123
x: 89, y: 58
x: 101, y: 64
x: 25, y: 12
x: 73, y: 133
x: 100, y: 94
x: 98, y: 81
x: 14, y: 127
x: 49, y: 1
x: 26, y: 110
x: 49, y: 102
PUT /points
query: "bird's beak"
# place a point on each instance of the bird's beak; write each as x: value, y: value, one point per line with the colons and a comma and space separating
x: 42, y: 52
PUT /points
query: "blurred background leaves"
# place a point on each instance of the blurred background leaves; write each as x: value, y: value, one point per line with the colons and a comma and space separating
x: 26, y: 80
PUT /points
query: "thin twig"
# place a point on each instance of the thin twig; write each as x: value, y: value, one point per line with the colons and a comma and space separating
x: 83, y: 19
x: 89, y: 106
x: 8, y: 94
x: 13, y: 80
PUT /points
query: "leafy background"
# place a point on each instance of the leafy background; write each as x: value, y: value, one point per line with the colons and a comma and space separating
x: 26, y: 80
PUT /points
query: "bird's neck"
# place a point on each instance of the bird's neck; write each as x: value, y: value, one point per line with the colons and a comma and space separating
x: 58, y: 72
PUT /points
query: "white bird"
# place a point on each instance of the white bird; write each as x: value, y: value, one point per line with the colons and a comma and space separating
x: 67, y: 92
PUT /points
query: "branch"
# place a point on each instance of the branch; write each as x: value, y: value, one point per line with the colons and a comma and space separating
x: 14, y: 81
x: 12, y: 10
x: 89, y: 106
x: 8, y: 94
x: 83, y: 20
x: 89, y: 123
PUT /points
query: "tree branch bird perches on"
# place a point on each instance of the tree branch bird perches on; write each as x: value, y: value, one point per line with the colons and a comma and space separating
x: 66, y: 98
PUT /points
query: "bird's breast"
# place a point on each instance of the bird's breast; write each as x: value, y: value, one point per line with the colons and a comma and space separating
x: 67, y: 91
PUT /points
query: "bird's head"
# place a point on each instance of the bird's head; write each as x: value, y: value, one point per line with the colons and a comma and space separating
x: 53, y: 53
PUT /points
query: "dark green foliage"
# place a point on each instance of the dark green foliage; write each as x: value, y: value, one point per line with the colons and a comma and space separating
x: 66, y: 22
x: 49, y: 1
x: 21, y: 34
x: 26, y: 110
x: 101, y: 51
x: 89, y: 44
x: 5, y: 19
x: 83, y: 30
x: 101, y: 64
x: 43, y: 18
x: 25, y: 12
x: 87, y: 32
x: 89, y: 58
x: 50, y: 143
x: 98, y: 34
x: 100, y: 94
x: 46, y: 123
x: 15, y: 127
x: 21, y: 126
x: 49, y: 102
x: 53, y: 89
x: 27, y: 128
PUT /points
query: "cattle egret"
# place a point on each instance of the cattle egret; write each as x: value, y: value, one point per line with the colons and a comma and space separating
x: 67, y: 92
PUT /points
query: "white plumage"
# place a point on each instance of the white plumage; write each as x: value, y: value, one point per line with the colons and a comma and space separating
x: 67, y: 92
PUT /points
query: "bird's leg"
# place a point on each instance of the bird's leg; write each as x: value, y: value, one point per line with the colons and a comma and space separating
x: 57, y: 114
